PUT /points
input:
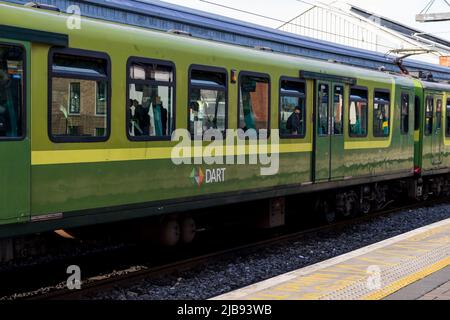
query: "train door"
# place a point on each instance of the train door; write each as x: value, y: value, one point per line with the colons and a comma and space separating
x: 437, y: 138
x: 14, y: 140
x: 329, y: 137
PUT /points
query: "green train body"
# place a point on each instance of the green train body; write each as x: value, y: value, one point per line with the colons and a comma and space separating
x: 49, y: 184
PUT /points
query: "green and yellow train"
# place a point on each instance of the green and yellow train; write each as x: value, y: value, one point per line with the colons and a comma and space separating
x: 87, y: 114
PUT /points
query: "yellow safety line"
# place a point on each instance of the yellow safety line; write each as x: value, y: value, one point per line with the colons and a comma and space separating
x: 402, y: 283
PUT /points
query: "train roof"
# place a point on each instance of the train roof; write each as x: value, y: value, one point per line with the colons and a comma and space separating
x: 163, y: 16
x: 437, y: 86
x: 114, y: 33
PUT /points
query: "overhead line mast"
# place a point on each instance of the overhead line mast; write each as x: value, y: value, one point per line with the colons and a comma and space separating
x: 424, y: 16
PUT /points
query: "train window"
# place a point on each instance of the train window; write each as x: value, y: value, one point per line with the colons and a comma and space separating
x: 417, y: 113
x: 151, y: 99
x: 207, y: 99
x: 79, y: 101
x: 292, y: 108
x: 12, y: 100
x: 338, y: 110
x: 358, y: 113
x: 254, y: 101
x: 324, y: 100
x: 381, y: 114
x: 404, y: 126
x: 447, y: 117
x: 429, y: 109
x: 439, y: 114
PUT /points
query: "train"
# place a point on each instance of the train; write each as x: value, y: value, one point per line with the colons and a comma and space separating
x: 88, y: 114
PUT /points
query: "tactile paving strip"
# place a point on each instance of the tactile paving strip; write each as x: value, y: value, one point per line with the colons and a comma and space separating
x: 392, y: 279
x: 393, y: 264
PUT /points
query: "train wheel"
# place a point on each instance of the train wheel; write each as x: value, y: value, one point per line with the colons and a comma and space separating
x: 188, y: 230
x: 170, y: 232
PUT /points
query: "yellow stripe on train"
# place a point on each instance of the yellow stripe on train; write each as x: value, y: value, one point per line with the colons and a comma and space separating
x: 53, y: 157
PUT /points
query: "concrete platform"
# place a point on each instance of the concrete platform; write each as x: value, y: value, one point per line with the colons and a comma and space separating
x: 372, y: 273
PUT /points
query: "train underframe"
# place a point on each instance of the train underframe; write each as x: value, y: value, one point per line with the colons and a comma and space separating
x: 324, y: 206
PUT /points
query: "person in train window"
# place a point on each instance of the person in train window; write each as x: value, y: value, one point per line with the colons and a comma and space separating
x: 295, y: 122
x: 385, y: 122
x: 135, y: 114
x: 159, y: 118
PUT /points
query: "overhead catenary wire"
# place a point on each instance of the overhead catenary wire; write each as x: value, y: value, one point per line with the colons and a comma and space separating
x: 318, y: 4
x: 293, y: 24
x: 427, y: 7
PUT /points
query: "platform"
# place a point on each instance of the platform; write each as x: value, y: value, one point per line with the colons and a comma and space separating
x: 379, y: 271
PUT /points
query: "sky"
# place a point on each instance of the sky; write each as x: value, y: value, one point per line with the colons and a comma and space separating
x: 403, y: 11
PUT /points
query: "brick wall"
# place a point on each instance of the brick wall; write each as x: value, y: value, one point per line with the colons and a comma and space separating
x: 87, y: 121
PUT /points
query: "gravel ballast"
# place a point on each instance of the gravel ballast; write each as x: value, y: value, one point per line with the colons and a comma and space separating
x: 236, y: 272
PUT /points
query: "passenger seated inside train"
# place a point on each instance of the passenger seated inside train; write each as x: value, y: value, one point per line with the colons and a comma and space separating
x: 148, y: 118
x: 295, y: 122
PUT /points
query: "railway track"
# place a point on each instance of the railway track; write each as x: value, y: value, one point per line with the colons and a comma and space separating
x: 135, y: 274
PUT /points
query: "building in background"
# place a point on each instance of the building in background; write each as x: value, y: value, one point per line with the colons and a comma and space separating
x: 352, y: 26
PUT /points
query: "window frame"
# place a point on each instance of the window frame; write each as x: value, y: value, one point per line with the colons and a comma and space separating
x: 200, y: 67
x: 96, y: 103
x: 24, y: 120
x: 427, y: 98
x: 375, y: 91
x: 366, y: 89
x: 51, y: 75
x: 447, y: 115
x: 260, y: 75
x: 439, y: 120
x: 69, y: 95
x: 173, y: 85
x: 402, y: 129
x: 291, y: 136
x: 417, y: 113
x: 319, y: 105
x: 335, y: 85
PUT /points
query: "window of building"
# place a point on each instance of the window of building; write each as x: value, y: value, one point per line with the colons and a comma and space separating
x: 207, y: 100
x: 358, y: 112
x: 78, y: 80
x: 102, y: 94
x: 404, y: 126
x: 151, y: 96
x: 12, y: 100
x: 254, y: 102
x: 338, y: 110
x: 447, y: 117
x: 292, y: 108
x: 381, y: 114
x: 417, y: 113
x: 75, y: 98
x: 429, y: 109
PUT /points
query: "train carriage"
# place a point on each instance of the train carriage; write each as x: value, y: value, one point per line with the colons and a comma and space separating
x: 87, y: 117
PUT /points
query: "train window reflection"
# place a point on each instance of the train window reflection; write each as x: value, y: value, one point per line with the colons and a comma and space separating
x: 207, y: 100
x: 358, y: 113
x: 254, y: 102
x: 151, y: 96
x: 11, y: 91
x: 79, y: 104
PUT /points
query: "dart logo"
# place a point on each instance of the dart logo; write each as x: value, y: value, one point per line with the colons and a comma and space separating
x: 209, y: 176
x: 197, y: 177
